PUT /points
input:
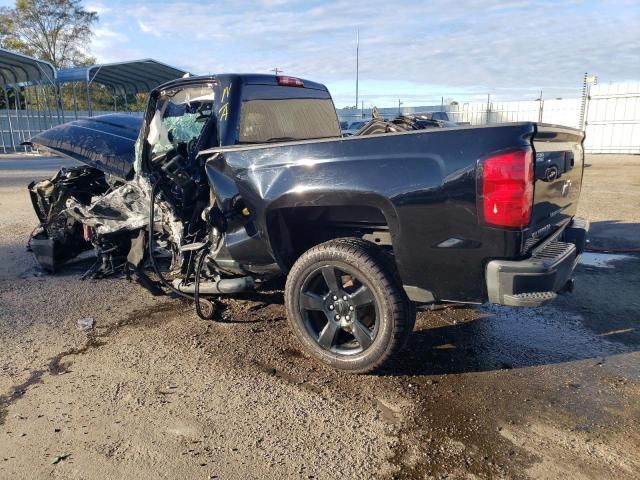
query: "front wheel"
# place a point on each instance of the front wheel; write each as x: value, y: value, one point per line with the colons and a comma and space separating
x: 346, y: 306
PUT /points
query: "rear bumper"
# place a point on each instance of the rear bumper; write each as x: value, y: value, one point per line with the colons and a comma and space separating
x: 537, y: 280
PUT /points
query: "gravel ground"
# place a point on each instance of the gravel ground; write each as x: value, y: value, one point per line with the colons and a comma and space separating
x: 154, y: 392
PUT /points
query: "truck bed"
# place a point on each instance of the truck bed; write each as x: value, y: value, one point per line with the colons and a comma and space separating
x: 424, y: 183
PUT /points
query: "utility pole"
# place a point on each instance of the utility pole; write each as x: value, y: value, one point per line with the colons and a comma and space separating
x: 541, y: 107
x: 586, y: 94
x: 488, y: 108
x: 277, y: 71
x: 399, y: 107
x: 357, y: 65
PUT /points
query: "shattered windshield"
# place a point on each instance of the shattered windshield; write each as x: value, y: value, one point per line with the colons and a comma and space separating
x: 180, y: 116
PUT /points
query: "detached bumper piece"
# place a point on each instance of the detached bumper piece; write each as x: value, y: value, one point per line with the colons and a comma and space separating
x: 46, y: 251
x: 535, y: 281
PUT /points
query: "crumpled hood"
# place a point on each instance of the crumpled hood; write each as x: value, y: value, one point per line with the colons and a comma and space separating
x: 106, y: 142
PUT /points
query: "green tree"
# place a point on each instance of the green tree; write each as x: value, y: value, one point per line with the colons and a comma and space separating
x: 58, y: 31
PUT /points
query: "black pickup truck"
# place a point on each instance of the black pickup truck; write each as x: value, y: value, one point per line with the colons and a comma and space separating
x: 231, y: 180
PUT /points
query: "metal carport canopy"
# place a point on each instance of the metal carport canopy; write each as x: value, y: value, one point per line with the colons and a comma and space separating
x: 18, y: 69
x: 136, y: 76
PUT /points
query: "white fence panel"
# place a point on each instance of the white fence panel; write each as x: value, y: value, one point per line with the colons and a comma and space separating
x: 504, y: 112
x: 613, y: 118
x: 564, y: 111
x: 471, y: 112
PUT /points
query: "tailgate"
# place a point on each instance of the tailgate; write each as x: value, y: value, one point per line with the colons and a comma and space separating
x: 559, y: 162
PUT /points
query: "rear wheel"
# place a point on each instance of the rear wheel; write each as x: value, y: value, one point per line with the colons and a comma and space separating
x: 346, y: 305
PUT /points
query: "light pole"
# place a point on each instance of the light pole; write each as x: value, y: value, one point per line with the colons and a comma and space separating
x: 357, y: 66
x: 586, y: 96
x: 277, y: 71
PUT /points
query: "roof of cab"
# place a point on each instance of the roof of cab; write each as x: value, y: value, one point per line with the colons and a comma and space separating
x: 245, y: 78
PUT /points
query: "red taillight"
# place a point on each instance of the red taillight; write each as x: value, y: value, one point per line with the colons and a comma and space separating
x: 505, y: 195
x: 289, y: 81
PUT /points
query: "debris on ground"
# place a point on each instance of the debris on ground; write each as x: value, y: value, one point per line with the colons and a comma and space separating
x: 60, y: 458
x: 86, y: 324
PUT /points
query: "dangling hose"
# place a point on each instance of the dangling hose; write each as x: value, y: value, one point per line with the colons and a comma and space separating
x: 163, y: 281
x: 196, y: 289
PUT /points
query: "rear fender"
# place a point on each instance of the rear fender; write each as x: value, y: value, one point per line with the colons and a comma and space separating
x: 277, y: 232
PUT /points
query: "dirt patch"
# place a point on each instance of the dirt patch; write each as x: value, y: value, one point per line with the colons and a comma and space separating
x: 57, y: 365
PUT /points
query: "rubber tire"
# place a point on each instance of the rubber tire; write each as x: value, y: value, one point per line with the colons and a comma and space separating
x: 395, y: 311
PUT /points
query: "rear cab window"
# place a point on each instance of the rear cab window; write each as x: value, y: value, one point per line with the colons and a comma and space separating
x: 277, y: 113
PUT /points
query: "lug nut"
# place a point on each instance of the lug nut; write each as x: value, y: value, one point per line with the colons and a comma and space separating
x: 351, y: 307
x: 337, y: 317
x: 345, y: 298
x: 335, y: 298
x: 330, y: 307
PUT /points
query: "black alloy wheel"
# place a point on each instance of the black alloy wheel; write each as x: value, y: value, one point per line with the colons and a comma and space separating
x: 346, y: 305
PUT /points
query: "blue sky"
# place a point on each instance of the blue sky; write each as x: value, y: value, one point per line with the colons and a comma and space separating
x: 415, y: 51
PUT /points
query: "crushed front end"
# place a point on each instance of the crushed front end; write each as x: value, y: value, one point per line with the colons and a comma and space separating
x: 156, y: 218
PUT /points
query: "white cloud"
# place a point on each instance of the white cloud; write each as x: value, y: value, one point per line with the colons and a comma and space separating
x: 144, y: 27
x: 99, y: 8
x: 111, y: 45
x: 106, y: 33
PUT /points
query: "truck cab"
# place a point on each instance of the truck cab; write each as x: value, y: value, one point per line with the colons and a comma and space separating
x: 245, y: 110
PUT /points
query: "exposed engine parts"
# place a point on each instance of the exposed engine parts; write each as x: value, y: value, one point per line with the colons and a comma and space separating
x: 117, y: 223
x: 162, y: 217
x: 59, y: 237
